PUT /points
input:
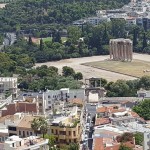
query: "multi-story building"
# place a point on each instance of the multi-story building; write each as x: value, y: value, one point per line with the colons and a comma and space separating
x: 67, y: 128
x: 146, y: 140
x: 18, y: 124
x: 64, y: 94
x: 143, y: 93
x: 29, y: 143
x: 8, y: 84
x: 26, y: 106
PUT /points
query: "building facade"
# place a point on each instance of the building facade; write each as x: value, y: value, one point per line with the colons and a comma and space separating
x: 8, y: 84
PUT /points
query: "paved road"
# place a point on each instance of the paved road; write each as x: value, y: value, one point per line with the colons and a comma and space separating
x: 92, y: 111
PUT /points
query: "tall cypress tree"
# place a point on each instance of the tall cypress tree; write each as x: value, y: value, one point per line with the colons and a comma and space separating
x: 30, y: 40
x: 144, y: 40
x: 41, y: 45
x: 105, y: 39
x: 135, y: 42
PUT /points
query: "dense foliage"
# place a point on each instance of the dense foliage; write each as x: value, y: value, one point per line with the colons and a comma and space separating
x: 122, y: 88
x: 42, y: 78
x: 139, y: 138
x: 31, y: 14
x: 142, y: 109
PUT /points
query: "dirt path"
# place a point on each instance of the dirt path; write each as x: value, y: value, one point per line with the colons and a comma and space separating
x: 90, y: 71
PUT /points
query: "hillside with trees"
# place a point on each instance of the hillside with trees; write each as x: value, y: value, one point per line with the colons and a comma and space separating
x: 42, y: 14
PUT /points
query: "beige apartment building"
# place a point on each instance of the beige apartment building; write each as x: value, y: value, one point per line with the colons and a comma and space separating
x: 67, y: 129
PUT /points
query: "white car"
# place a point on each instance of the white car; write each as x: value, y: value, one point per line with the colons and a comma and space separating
x: 85, y: 137
x: 93, y: 104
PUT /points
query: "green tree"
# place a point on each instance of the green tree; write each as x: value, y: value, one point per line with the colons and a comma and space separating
x: 39, y: 125
x: 142, y: 109
x: 51, y: 138
x: 68, y: 71
x: 139, y: 138
x: 123, y: 147
x: 43, y: 126
x: 41, y: 45
x: 135, y: 42
x: 73, y: 146
x: 56, y: 37
x: 144, y: 40
x: 78, y: 76
x: 105, y: 39
x: 74, y: 33
x: 35, y: 125
x: 30, y: 40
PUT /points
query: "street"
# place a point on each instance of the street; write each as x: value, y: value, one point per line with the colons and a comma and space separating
x: 90, y: 111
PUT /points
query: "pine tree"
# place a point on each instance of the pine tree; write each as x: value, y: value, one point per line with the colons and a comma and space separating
x: 144, y: 41
x: 56, y: 37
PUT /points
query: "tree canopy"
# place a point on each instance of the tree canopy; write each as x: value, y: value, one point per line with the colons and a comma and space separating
x: 142, y: 109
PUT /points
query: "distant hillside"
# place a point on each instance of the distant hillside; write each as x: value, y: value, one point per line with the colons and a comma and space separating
x: 26, y: 14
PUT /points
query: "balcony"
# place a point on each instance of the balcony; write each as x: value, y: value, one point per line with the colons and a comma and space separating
x: 63, y: 137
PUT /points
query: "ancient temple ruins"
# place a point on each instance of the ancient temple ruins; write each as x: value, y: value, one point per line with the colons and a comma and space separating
x: 121, y: 49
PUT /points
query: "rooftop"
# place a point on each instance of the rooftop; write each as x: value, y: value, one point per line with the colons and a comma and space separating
x: 102, y: 121
x: 32, y: 141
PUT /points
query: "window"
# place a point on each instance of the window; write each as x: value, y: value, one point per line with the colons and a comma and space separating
x: 12, y: 128
x: 62, y: 141
x: 23, y: 134
x: 40, y: 104
x: 75, y: 140
x: 13, y: 145
x: 30, y: 133
x: 62, y: 132
x: 20, y: 143
x: 49, y: 102
x: 19, y: 132
x: 27, y: 133
x: 56, y: 132
x: 75, y: 96
x: 74, y: 133
x: 52, y: 131
x: 69, y: 132
x: 69, y: 141
x: 49, y: 96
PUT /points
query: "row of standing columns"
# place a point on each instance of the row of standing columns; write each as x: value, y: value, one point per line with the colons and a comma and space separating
x: 121, y: 49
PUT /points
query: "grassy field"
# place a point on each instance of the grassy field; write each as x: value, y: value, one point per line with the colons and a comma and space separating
x: 135, y: 68
x: 50, y: 39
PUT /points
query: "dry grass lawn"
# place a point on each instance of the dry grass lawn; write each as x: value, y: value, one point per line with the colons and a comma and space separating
x: 135, y: 68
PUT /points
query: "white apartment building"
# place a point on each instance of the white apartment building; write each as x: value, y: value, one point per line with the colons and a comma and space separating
x: 97, y: 20
x: 143, y: 93
x: 146, y: 140
x: 64, y: 94
x: 8, y: 84
x: 29, y: 143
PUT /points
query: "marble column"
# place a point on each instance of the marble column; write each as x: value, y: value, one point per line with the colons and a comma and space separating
x: 110, y: 49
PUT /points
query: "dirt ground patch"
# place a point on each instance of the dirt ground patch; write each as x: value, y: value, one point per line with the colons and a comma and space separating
x: 136, y: 68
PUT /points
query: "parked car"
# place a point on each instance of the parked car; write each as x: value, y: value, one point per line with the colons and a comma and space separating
x: 93, y: 104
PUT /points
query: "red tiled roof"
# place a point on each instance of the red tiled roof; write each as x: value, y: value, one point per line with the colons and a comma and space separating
x: 134, y: 114
x: 98, y: 144
x: 101, y: 121
x: 77, y: 101
x: 109, y: 109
